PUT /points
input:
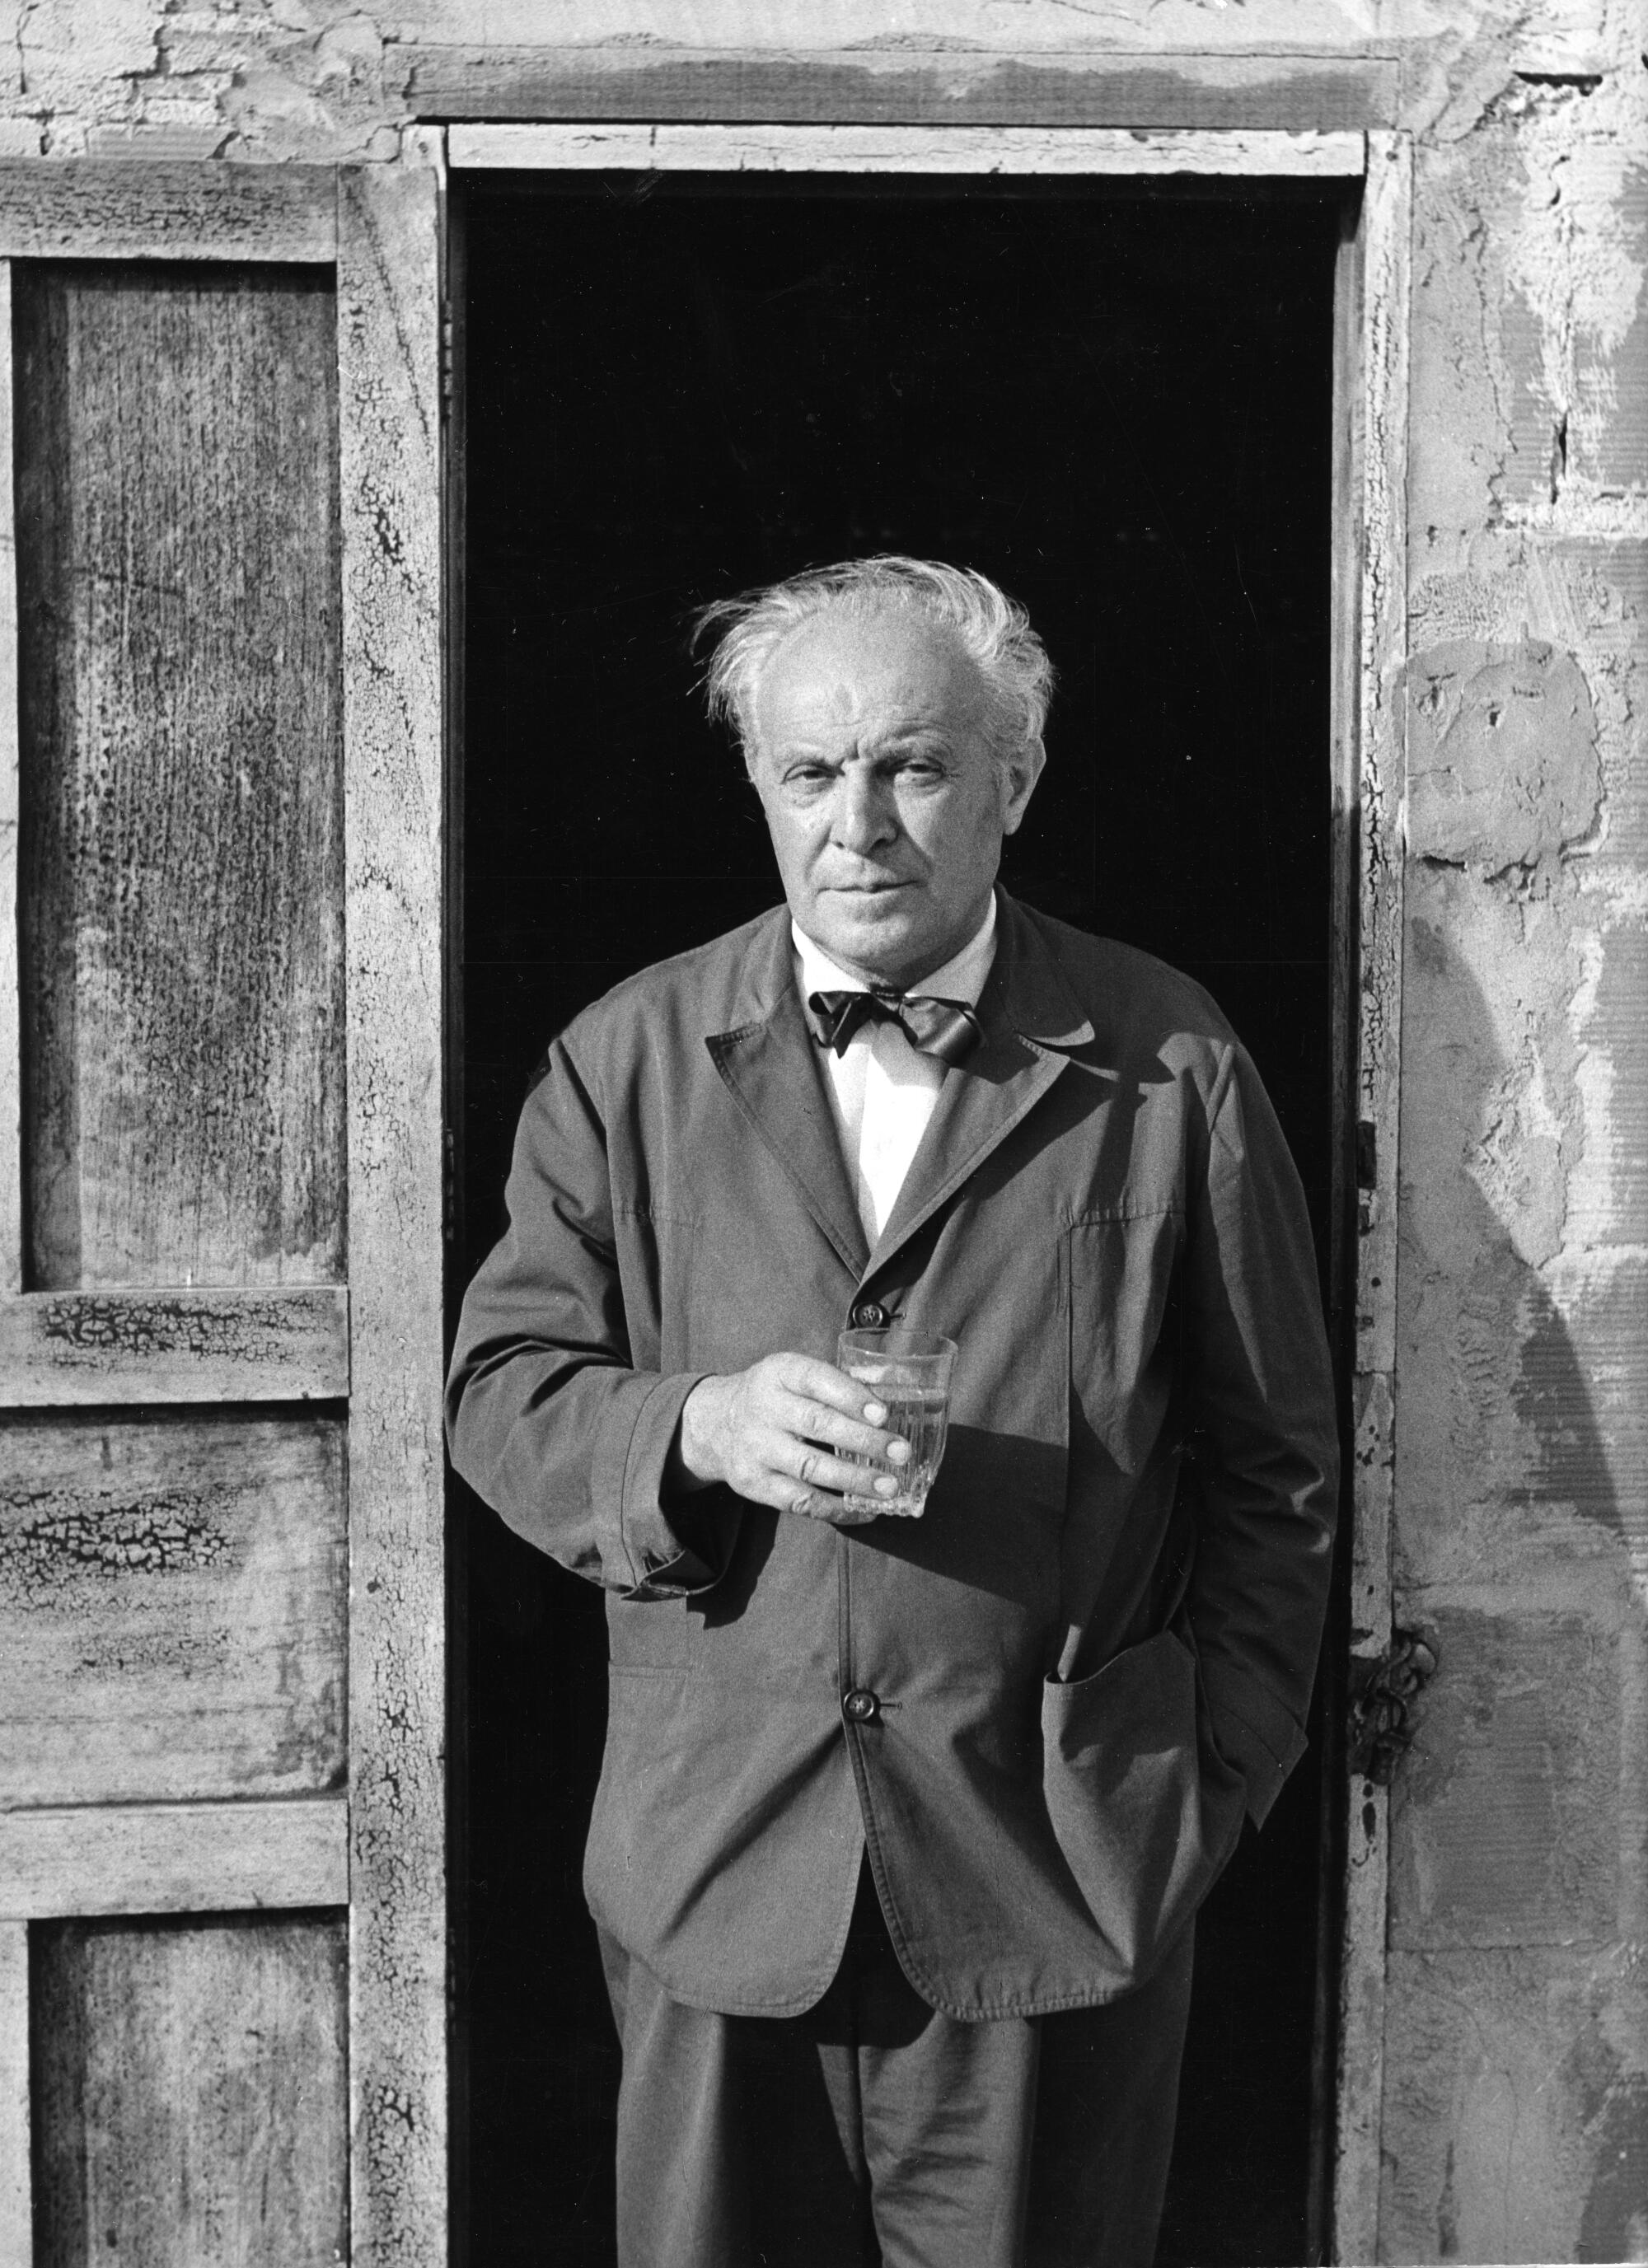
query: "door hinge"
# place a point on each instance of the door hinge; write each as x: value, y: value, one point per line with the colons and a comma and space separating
x: 1380, y: 1732
x: 448, y: 356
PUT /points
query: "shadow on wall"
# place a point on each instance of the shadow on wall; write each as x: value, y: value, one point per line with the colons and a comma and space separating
x: 1517, y: 2106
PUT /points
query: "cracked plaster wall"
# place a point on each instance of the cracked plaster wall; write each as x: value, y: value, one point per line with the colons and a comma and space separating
x: 258, y: 79
x: 1515, y: 2121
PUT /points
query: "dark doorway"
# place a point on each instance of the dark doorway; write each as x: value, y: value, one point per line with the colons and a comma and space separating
x: 1118, y: 403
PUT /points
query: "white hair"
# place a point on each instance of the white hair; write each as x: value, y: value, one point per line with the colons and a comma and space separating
x: 991, y: 629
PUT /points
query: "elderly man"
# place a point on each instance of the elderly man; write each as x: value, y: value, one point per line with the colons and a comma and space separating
x: 903, y: 1822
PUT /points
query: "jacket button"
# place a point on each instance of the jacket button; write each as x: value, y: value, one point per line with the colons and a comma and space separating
x: 869, y: 1315
x: 861, y: 1706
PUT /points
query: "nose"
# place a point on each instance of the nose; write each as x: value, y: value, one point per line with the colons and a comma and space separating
x: 864, y: 815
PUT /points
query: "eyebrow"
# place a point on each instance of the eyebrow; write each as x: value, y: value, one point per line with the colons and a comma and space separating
x: 916, y: 736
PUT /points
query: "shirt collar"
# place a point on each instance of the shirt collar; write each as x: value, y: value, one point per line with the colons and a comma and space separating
x: 962, y: 977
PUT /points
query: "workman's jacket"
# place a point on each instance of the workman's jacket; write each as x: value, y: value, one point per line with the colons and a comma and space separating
x: 1044, y: 1703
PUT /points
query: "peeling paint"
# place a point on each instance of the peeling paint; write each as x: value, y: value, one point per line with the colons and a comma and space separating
x: 251, y: 1329
x: 1576, y: 253
x: 65, y: 1538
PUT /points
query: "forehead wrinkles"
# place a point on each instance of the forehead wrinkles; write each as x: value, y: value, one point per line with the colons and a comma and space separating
x: 836, y: 706
x: 835, y: 674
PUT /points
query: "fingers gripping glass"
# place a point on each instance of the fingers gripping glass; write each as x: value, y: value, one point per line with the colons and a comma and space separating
x: 910, y: 1375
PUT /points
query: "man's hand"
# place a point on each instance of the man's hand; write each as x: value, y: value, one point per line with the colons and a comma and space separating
x: 769, y: 1432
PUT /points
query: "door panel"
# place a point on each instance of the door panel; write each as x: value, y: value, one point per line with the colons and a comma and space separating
x: 174, y: 1616
x: 190, y: 2088
x: 180, y: 700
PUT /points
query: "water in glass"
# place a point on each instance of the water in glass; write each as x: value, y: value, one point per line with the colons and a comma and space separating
x: 921, y: 1414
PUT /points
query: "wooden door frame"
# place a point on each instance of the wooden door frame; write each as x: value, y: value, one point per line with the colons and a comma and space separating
x: 390, y: 298
x: 1368, y: 628
x: 378, y: 1847
x: 1369, y: 793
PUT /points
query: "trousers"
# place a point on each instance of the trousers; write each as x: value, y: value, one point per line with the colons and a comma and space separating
x: 873, y: 2131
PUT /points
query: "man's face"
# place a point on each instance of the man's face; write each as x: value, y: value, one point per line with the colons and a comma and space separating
x: 886, y: 805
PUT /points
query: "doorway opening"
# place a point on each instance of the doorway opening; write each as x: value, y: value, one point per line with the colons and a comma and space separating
x: 1114, y: 398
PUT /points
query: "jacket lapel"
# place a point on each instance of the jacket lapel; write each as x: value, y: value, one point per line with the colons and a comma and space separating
x: 770, y: 1065
x: 1031, y: 1020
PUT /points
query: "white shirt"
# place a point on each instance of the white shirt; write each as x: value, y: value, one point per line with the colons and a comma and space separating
x: 882, y: 1090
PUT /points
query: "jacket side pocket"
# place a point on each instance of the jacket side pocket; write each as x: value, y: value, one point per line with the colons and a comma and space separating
x: 1145, y: 1810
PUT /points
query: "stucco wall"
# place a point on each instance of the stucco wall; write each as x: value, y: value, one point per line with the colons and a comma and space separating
x: 320, y: 78
x: 1515, y: 2120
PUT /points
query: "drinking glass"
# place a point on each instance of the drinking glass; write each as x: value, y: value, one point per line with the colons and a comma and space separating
x: 910, y: 1374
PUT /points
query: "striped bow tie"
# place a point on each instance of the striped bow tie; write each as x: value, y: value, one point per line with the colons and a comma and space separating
x: 948, y: 1029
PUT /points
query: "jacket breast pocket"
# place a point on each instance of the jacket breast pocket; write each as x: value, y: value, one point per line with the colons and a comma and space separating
x: 1144, y: 1807
x: 1124, y: 1327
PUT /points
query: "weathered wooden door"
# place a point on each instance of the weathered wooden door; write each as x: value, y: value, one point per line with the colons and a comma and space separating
x: 222, y: 1923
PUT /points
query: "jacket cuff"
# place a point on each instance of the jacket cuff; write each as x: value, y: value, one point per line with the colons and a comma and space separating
x: 1253, y: 1731
x: 658, y: 1562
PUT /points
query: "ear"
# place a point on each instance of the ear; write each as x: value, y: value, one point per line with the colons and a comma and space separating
x: 1019, y: 776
